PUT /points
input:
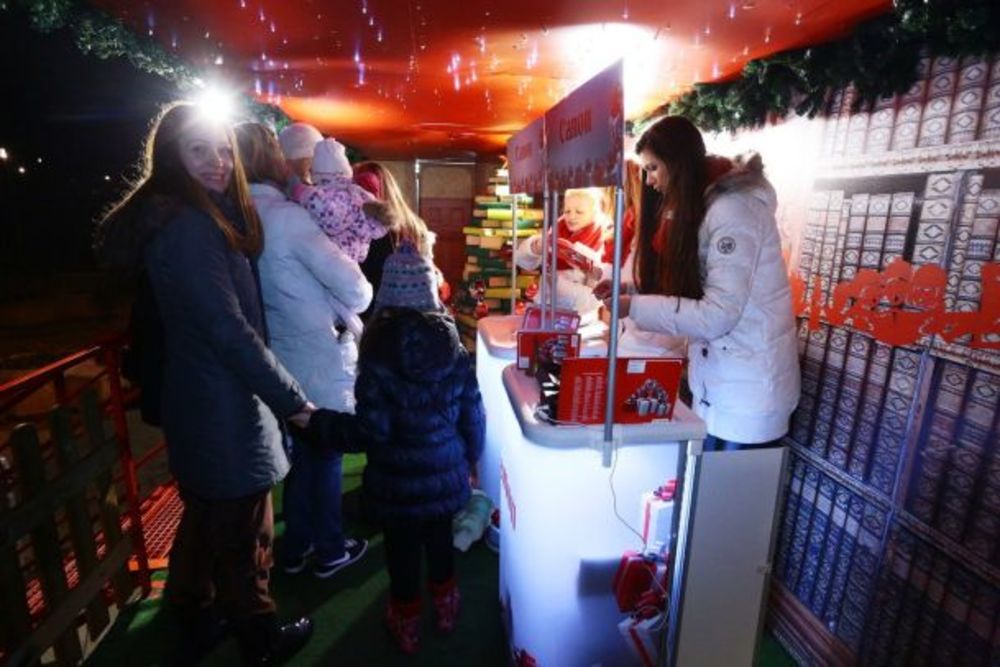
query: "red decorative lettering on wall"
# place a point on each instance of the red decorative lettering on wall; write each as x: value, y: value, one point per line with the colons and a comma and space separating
x: 900, y: 305
x: 511, y: 506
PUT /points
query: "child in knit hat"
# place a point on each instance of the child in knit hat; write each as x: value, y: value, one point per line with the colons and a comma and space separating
x: 421, y: 416
x: 337, y: 204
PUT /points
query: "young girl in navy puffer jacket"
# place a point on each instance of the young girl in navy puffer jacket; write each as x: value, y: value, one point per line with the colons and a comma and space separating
x: 420, y: 412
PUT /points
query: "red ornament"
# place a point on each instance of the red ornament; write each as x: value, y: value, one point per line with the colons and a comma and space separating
x: 482, y: 310
x: 531, y: 291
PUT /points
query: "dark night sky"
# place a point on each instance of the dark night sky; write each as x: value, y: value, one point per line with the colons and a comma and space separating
x: 85, y: 118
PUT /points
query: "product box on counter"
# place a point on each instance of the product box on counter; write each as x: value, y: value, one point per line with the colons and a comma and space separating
x: 565, y: 320
x: 546, y: 346
x: 645, y: 389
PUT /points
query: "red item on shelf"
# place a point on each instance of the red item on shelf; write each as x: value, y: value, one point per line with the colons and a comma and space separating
x: 635, y: 576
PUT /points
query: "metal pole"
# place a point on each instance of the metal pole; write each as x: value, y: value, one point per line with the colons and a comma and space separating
x: 416, y: 187
x: 681, y: 545
x: 543, y: 292
x: 616, y: 273
x: 554, y: 258
x: 513, y: 254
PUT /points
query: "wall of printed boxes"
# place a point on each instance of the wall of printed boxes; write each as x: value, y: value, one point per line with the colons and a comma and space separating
x: 889, y: 547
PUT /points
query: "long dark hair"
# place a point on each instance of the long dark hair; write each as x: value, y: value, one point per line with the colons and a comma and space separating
x: 676, y: 271
x: 162, y: 173
x: 261, y: 154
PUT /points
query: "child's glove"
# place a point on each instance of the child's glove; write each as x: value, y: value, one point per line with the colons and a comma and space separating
x: 294, y: 187
x: 331, y: 431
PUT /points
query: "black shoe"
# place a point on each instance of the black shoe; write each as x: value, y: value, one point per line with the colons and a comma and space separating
x: 264, y: 643
x: 199, y: 632
x: 353, y: 551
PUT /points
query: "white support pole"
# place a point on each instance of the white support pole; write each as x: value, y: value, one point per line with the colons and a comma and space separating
x: 554, y: 258
x: 616, y: 272
x: 513, y: 254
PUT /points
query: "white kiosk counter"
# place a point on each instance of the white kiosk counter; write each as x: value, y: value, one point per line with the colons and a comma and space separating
x: 496, y: 348
x: 567, y: 519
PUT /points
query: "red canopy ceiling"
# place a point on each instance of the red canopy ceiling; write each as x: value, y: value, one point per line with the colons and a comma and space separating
x: 404, y: 78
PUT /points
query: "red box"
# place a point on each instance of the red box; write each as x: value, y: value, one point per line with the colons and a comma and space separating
x: 565, y: 320
x: 635, y: 576
x: 556, y: 345
x: 645, y: 389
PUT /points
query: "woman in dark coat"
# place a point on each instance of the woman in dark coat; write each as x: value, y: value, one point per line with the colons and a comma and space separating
x: 190, y: 226
x: 421, y: 414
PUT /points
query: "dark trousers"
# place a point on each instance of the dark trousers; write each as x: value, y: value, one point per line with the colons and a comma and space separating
x: 405, y: 543
x: 312, y: 504
x: 222, y: 554
x: 714, y: 444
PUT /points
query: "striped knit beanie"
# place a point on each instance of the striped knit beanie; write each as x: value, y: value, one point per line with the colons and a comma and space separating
x: 408, y: 281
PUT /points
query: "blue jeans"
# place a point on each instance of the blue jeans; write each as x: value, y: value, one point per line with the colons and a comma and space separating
x: 714, y: 444
x: 312, y: 504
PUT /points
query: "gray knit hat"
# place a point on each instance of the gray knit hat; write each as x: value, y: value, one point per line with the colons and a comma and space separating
x: 408, y: 281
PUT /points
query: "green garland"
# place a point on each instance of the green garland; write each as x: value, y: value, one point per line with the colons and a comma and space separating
x: 98, y: 34
x: 879, y: 59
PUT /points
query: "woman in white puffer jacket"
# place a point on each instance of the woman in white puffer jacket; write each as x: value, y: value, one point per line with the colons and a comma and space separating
x: 716, y: 275
x: 301, y: 273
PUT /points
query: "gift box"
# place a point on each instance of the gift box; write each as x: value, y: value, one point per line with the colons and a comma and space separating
x: 545, y: 348
x: 645, y: 389
x: 638, y: 573
x: 656, y: 518
x: 642, y: 635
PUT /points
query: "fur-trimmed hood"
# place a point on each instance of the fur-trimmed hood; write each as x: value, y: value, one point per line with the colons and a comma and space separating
x: 747, y: 176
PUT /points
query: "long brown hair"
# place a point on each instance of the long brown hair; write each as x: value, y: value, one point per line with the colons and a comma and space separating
x: 408, y: 225
x: 162, y: 173
x: 261, y: 154
x: 676, y: 271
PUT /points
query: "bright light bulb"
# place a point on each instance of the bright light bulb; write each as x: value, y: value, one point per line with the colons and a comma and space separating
x: 216, y: 104
x: 3, y: 154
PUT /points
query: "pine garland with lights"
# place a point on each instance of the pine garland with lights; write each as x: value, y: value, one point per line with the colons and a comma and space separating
x: 99, y: 34
x: 879, y: 59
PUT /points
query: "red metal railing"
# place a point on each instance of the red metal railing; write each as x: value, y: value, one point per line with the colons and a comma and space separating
x: 107, y: 354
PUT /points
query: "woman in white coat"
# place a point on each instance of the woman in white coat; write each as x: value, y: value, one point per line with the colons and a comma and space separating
x: 301, y: 272
x: 713, y: 271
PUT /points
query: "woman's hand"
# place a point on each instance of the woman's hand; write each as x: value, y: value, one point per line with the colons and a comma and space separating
x: 535, y: 245
x: 602, y: 290
x: 624, y: 304
x: 301, y: 418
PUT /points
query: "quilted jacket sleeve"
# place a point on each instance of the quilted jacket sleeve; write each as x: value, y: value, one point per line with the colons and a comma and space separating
x: 472, y: 416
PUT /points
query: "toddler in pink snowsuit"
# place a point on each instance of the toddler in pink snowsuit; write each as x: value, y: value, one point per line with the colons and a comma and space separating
x: 337, y: 206
x: 335, y: 202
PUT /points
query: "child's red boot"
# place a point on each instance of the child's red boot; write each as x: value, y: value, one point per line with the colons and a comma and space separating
x: 446, y: 603
x: 403, y: 622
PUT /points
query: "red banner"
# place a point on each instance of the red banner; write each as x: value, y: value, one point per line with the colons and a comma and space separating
x: 526, y: 159
x: 585, y: 133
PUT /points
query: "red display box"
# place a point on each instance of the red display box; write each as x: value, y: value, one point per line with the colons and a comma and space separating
x: 645, y: 389
x: 556, y: 346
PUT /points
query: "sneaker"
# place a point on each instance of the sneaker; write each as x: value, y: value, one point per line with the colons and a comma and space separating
x: 353, y: 551
x: 296, y: 565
